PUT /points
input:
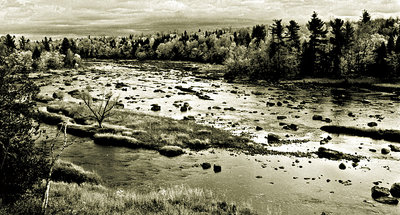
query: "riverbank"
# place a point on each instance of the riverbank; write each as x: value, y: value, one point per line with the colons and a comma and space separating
x: 90, y: 197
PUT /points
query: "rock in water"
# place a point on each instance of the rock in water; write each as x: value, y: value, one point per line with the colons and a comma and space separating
x: 394, y: 148
x: 217, y: 168
x: 387, y: 200
x: 317, y: 117
x: 155, y: 107
x: 171, y: 151
x: 273, y: 138
x: 206, y: 165
x: 385, y: 151
x: 377, y: 192
x: 342, y: 166
x: 395, y: 190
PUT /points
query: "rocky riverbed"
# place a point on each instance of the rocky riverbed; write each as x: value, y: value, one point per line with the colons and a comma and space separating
x: 285, y: 118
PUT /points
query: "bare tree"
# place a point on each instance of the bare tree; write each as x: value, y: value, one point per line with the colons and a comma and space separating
x: 54, y: 156
x: 101, y: 110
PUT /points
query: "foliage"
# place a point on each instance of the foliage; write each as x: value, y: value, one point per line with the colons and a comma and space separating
x: 51, y: 60
x: 22, y: 164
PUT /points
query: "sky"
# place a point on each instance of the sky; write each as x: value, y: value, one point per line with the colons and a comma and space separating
x: 124, y: 17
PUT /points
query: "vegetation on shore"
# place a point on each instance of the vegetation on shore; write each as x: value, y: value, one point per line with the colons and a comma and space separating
x: 78, y: 191
x: 138, y: 130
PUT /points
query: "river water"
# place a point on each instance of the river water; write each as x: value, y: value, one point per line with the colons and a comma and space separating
x: 269, y: 184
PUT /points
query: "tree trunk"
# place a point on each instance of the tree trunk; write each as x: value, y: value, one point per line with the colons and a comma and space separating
x: 45, y: 200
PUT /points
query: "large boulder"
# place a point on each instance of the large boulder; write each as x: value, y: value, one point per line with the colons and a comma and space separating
x: 217, y: 168
x: 395, y: 190
x: 317, y: 117
x: 206, y: 165
x: 377, y: 192
x: 171, y: 151
x: 385, y: 151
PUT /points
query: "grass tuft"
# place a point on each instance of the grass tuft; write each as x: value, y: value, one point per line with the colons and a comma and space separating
x: 69, y: 172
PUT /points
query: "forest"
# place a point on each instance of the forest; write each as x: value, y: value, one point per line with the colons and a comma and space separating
x: 335, y: 49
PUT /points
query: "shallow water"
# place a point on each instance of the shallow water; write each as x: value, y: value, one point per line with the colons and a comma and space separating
x: 277, y: 190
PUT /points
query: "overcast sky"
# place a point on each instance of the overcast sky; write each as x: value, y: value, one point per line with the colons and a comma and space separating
x: 122, y: 17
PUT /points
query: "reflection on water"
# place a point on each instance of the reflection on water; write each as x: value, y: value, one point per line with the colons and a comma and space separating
x: 341, y: 97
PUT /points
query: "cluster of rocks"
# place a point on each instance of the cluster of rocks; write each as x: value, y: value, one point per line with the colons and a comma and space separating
x: 320, y: 118
x: 382, y: 194
x: 217, y: 168
x: 286, y: 126
x: 325, y: 140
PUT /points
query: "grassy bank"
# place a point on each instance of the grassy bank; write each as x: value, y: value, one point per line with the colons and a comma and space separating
x: 72, y: 198
x: 77, y: 191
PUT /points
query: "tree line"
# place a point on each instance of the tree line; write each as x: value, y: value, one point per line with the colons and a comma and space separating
x: 336, y: 49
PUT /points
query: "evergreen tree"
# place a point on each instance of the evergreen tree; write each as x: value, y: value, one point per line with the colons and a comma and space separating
x: 348, y: 35
x: 293, y: 34
x: 337, y: 40
x: 380, y: 68
x: 397, y: 46
x: 318, y: 31
x: 10, y: 43
x: 365, y: 18
x: 277, y: 32
x: 259, y: 32
x: 277, y: 37
x: 390, y: 45
x: 314, y: 47
x: 36, y: 53
x: 46, y: 44
x: 22, y: 43
x: 65, y: 45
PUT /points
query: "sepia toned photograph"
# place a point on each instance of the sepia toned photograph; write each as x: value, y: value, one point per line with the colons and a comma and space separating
x: 199, y: 107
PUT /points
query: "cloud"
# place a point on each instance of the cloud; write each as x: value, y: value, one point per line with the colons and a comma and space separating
x: 99, y: 16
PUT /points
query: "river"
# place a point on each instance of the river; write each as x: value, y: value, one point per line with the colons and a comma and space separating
x: 269, y: 184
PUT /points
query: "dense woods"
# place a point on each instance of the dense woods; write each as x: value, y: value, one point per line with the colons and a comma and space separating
x: 334, y: 49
